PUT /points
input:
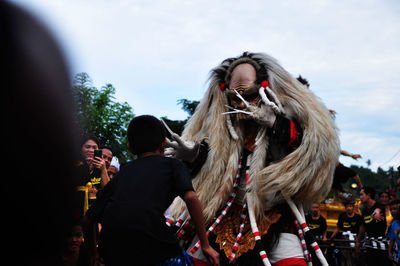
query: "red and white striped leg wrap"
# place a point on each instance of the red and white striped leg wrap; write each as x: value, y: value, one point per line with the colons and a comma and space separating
x: 226, y: 208
x: 179, y: 222
x: 306, y: 231
x: 303, y: 241
x: 183, y: 229
x: 169, y: 222
x: 316, y: 247
x: 239, y: 236
x: 260, y: 248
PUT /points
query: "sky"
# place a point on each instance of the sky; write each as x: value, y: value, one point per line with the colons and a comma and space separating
x: 157, y: 52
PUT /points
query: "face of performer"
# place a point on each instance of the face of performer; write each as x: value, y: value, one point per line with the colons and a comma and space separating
x: 242, y: 78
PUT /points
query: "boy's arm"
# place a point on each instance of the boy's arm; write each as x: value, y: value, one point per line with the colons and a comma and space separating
x: 195, y: 211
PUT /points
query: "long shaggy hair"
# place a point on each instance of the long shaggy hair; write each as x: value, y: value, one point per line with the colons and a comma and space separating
x: 305, y: 175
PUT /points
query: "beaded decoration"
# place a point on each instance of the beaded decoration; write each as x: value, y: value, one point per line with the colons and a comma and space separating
x: 239, y: 236
x: 226, y: 208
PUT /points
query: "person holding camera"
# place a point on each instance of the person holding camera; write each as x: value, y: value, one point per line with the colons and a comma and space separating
x: 92, y: 169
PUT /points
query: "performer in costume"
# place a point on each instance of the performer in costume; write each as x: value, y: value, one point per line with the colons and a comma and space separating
x: 259, y: 146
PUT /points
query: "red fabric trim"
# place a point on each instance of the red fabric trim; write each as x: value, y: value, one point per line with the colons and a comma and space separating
x: 316, y: 247
x: 198, y: 262
x: 290, y: 261
x: 303, y: 225
x: 293, y: 134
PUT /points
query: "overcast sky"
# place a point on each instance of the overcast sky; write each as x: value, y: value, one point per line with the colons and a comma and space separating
x: 157, y: 52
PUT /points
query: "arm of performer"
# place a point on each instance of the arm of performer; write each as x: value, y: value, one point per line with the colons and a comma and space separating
x: 346, y: 153
x: 195, y: 211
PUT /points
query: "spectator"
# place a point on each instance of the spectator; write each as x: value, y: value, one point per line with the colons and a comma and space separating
x: 107, y: 155
x: 93, y: 169
x: 394, y: 242
x: 394, y: 207
x: 392, y: 194
x: 131, y: 207
x: 74, y: 252
x: 384, y: 199
x: 114, y: 168
x: 374, y: 226
x: 39, y: 198
x: 89, y: 144
x: 316, y: 222
x: 88, y: 175
x: 348, y: 222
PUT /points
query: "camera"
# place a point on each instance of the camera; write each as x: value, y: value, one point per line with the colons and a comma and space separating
x: 98, y: 153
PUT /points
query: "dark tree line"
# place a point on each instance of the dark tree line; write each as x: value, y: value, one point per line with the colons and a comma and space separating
x: 99, y: 113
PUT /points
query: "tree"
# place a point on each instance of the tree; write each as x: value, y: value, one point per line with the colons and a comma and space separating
x: 177, y: 126
x: 98, y: 113
x: 188, y: 106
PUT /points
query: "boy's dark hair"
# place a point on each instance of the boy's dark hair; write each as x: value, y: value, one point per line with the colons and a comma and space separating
x: 145, y: 134
x: 369, y: 190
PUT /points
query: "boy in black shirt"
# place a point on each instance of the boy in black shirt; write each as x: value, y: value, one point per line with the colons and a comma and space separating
x: 374, y: 225
x: 348, y: 220
x: 131, y: 207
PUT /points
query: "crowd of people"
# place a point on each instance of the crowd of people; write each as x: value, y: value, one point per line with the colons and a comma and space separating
x: 366, y: 238
x: 77, y: 206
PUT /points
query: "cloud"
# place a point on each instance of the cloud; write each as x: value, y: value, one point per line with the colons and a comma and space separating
x: 156, y: 52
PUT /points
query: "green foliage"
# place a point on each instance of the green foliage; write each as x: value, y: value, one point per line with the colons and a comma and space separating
x: 380, y: 180
x: 99, y: 114
x: 188, y: 106
x: 177, y: 126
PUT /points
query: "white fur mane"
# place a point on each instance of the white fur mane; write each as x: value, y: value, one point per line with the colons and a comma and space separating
x: 305, y: 175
